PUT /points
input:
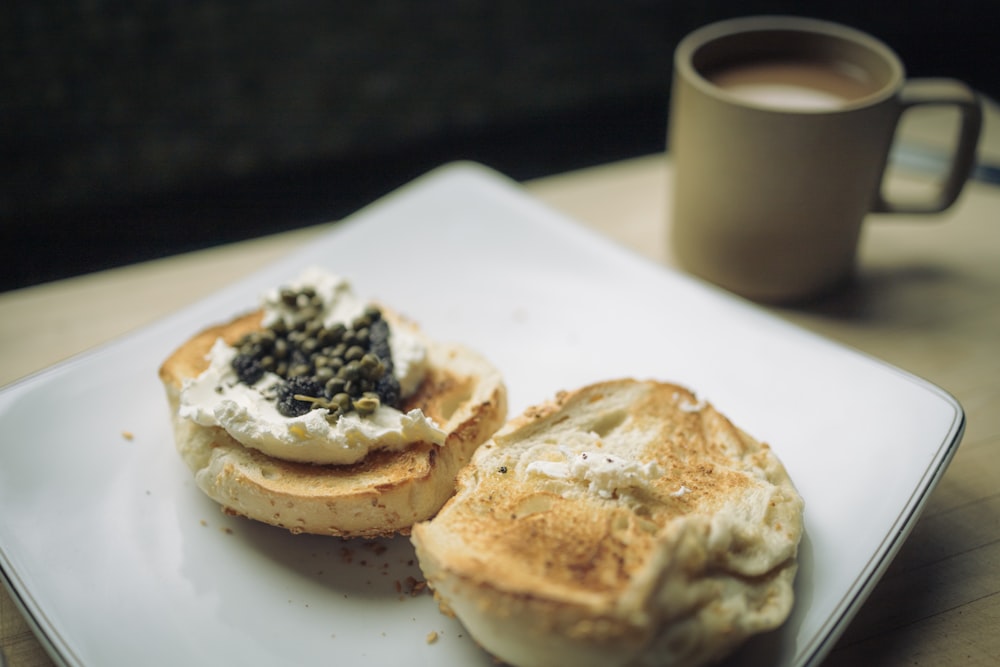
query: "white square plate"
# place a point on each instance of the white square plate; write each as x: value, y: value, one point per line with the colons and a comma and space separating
x: 119, y: 559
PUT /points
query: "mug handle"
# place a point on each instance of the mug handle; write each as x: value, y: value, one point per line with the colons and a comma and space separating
x: 941, y: 92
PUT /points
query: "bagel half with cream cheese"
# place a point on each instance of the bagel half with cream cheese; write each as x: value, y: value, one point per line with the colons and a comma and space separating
x: 624, y: 523
x: 378, y: 488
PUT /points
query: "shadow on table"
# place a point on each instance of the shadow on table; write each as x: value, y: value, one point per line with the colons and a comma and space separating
x: 915, y: 295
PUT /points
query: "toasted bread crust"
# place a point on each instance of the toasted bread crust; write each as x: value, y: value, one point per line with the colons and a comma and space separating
x: 543, y: 571
x: 381, y: 495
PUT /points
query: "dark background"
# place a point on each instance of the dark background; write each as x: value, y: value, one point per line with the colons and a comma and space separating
x: 132, y: 130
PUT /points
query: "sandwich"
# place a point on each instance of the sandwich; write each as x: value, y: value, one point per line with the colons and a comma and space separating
x: 622, y: 523
x: 324, y: 413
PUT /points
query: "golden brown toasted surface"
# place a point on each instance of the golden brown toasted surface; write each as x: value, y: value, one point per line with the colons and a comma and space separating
x: 381, y: 495
x: 679, y: 566
x: 190, y: 359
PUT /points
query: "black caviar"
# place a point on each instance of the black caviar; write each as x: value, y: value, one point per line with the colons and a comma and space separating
x: 342, y: 368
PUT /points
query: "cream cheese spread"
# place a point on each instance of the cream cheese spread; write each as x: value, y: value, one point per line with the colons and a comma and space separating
x: 250, y: 416
x: 604, y: 474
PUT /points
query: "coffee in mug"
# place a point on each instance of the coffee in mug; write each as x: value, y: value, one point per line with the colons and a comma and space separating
x: 780, y: 132
x: 793, y: 84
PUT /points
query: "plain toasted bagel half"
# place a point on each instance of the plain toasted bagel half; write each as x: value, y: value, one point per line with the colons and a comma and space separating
x: 623, y: 523
x: 381, y: 495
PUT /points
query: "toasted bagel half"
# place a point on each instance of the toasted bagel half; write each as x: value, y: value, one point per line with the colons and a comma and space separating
x: 381, y: 495
x: 623, y: 523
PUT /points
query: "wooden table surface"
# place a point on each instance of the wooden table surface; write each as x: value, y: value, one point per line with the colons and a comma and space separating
x: 927, y: 300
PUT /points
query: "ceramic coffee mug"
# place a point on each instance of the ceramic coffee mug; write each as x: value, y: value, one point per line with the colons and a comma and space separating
x: 780, y: 132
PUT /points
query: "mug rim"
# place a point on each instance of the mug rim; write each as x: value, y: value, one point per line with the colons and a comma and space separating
x: 702, y: 37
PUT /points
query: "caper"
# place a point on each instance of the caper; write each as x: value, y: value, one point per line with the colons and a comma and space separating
x: 354, y: 353
x: 299, y: 369
x: 315, y: 402
x: 342, y: 400
x: 362, y: 336
x: 309, y: 345
x: 265, y: 341
x: 323, y: 374
x: 280, y: 348
x: 337, y: 331
x: 350, y: 371
x: 289, y: 297
x: 339, y: 350
x: 334, y: 386
x: 267, y: 363
x: 280, y: 327
x: 361, y: 321
x: 306, y: 318
x: 367, y: 404
x: 371, y: 366
x: 373, y: 313
x: 249, y: 341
